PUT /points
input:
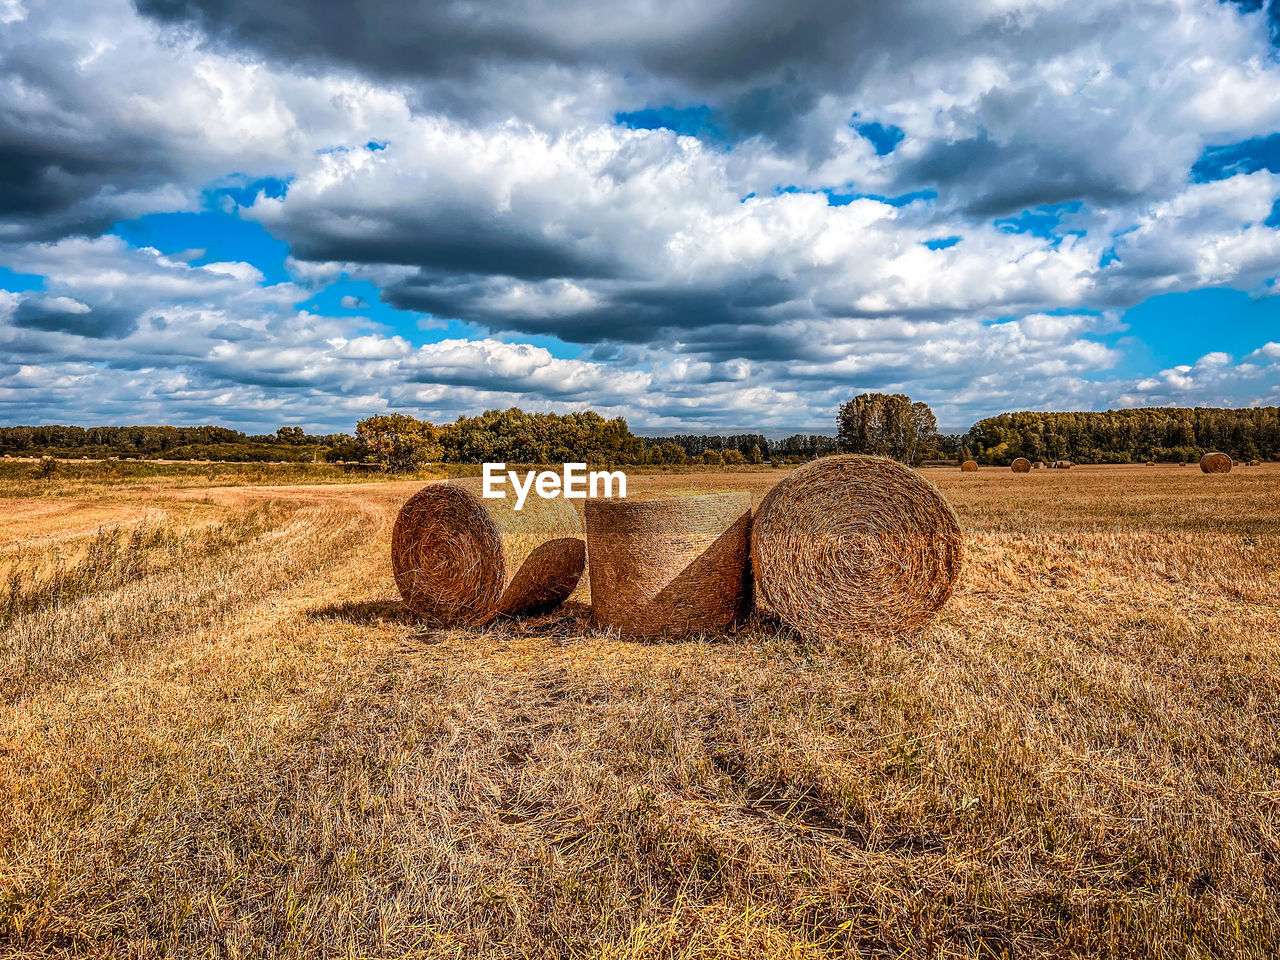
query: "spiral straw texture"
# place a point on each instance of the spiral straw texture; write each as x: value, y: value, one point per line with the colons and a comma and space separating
x: 856, y: 546
x: 459, y: 559
x: 969, y: 466
x: 669, y: 565
x: 1021, y: 465
x: 1215, y: 463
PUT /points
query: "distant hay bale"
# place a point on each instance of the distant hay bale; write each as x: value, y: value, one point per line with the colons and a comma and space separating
x: 1255, y: 463
x: 1151, y: 463
x: 667, y: 566
x: 460, y: 559
x: 1062, y: 465
x: 1236, y: 463
x: 1021, y: 465
x: 1215, y: 463
x: 855, y: 546
x: 969, y: 466
x: 1038, y: 465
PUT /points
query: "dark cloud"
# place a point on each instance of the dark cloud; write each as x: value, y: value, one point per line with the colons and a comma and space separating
x: 629, y: 312
x: 61, y: 167
x: 455, y: 240
x: 1003, y: 178
x: 762, y: 65
x: 63, y: 315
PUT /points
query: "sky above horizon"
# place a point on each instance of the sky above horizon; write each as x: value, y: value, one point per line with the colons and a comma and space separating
x: 704, y: 216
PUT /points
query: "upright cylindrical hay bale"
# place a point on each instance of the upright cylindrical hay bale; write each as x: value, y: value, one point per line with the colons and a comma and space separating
x: 1038, y: 465
x: 1021, y: 465
x: 969, y: 466
x: 1215, y: 463
x: 669, y: 566
x: 461, y: 559
x: 855, y: 546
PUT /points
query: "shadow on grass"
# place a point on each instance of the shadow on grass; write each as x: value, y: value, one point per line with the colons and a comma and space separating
x: 368, y: 612
x: 570, y: 622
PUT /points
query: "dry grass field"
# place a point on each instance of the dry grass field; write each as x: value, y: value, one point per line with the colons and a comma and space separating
x: 221, y: 735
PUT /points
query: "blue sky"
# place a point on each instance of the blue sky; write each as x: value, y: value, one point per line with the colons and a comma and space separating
x: 218, y: 212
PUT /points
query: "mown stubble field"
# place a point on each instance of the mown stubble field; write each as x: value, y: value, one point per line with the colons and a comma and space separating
x: 221, y: 734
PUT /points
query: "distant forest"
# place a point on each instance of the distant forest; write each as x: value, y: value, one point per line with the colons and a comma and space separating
x: 1163, y: 434
x: 871, y: 423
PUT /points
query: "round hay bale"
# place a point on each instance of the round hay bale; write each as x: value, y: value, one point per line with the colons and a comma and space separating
x: 1021, y: 465
x: 460, y: 559
x: 855, y: 546
x: 1255, y: 463
x: 969, y: 466
x: 1151, y: 463
x: 1037, y: 465
x: 1215, y: 463
x: 665, y: 566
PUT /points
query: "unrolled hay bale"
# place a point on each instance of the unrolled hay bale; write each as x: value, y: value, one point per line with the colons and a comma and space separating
x: 669, y: 565
x: 855, y: 546
x: 969, y: 466
x: 1215, y: 463
x: 1021, y: 465
x: 460, y: 559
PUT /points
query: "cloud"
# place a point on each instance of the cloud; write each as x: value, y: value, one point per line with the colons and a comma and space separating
x: 1038, y: 103
x: 734, y: 214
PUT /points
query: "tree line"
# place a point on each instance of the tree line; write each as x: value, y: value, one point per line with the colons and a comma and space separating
x: 398, y: 441
x: 885, y: 424
x: 1162, y: 434
x: 289, y: 443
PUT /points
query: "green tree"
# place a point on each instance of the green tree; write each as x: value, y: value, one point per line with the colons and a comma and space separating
x: 887, y: 425
x: 398, y: 442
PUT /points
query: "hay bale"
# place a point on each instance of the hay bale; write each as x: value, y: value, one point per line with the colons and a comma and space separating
x: 1255, y: 463
x: 1151, y: 463
x: 669, y: 565
x: 969, y: 466
x: 1215, y: 463
x: 1038, y: 465
x: 855, y: 546
x: 1021, y: 465
x: 460, y: 559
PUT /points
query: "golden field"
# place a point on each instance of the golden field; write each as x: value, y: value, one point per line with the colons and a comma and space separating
x: 221, y: 735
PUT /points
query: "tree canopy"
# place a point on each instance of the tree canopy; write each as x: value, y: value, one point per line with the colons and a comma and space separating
x: 1169, y: 434
x: 888, y: 425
